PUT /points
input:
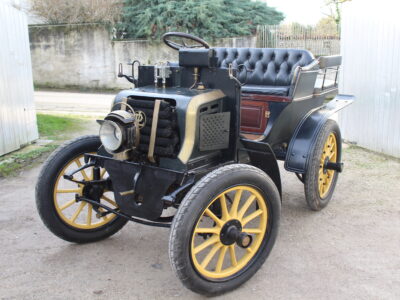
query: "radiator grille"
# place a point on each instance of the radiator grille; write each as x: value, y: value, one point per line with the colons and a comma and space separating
x: 214, y: 131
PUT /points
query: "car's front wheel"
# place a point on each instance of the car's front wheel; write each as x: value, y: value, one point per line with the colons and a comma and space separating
x: 224, y: 229
x: 55, y: 196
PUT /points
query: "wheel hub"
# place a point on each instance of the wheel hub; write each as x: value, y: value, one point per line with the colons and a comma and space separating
x: 93, y: 191
x: 325, y: 170
x: 232, y: 233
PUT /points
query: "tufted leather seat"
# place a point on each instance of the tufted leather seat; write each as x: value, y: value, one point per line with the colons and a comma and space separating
x: 272, y: 70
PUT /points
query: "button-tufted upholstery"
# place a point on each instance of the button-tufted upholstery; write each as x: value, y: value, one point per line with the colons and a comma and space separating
x: 271, y: 69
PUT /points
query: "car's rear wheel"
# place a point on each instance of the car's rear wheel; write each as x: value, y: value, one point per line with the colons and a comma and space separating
x: 55, y: 196
x: 224, y: 229
x: 320, y: 182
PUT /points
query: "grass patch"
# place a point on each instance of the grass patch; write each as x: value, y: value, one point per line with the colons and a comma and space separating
x: 51, y: 126
x: 17, y: 161
x: 56, y: 128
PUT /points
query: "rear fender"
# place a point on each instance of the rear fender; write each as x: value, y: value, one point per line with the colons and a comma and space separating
x: 305, y: 135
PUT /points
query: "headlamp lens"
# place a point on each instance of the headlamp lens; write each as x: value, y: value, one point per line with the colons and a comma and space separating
x: 111, y: 135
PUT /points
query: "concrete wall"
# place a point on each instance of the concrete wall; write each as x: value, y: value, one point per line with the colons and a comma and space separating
x: 84, y: 56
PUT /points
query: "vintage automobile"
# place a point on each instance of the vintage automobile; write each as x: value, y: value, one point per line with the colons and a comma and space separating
x: 194, y: 146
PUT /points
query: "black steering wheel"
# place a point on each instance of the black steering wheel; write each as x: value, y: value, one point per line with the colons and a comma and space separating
x: 174, y: 45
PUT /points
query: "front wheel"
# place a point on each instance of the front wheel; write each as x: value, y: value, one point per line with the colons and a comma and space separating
x: 70, y: 220
x: 224, y: 229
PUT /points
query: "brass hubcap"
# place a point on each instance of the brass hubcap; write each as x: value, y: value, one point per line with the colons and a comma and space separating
x: 229, y: 232
x: 80, y: 215
x: 325, y: 176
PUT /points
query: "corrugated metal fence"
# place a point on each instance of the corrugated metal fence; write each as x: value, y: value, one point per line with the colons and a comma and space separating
x: 371, y: 71
x: 320, y: 41
x: 17, y: 111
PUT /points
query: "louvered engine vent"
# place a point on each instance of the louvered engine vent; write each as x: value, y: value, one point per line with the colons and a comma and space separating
x: 167, y: 137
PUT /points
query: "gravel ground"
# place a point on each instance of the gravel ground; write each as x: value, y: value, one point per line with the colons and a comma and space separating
x: 349, y: 250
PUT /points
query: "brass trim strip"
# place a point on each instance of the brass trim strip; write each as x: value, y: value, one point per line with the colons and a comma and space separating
x: 191, y: 119
x: 153, y: 134
x: 130, y: 192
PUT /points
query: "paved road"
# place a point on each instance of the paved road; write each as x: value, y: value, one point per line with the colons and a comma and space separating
x: 350, y: 250
x: 73, y: 103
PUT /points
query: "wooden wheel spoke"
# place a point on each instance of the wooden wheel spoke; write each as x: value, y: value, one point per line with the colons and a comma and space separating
x: 213, y: 230
x: 332, y: 154
x: 221, y: 258
x: 245, y: 206
x: 217, y: 220
x: 112, y: 202
x: 78, y: 211
x: 76, y: 191
x: 204, y: 245
x: 101, y: 210
x: 235, y: 204
x: 89, y: 215
x: 249, y: 250
x: 224, y: 207
x: 252, y: 230
x: 78, y: 163
x: 332, y: 141
x: 210, y: 255
x: 68, y: 204
x: 252, y: 216
x: 232, y: 254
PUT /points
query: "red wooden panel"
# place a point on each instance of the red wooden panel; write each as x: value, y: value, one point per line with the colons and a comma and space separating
x: 254, y: 116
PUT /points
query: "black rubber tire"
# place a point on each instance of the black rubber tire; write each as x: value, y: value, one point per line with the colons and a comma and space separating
x: 44, y: 193
x: 313, y: 199
x: 194, y: 203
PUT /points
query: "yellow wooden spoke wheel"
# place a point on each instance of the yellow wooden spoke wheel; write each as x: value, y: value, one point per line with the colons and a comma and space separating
x: 224, y: 229
x: 320, y: 180
x: 224, y: 242
x: 70, y: 220
x: 325, y: 176
x: 80, y: 214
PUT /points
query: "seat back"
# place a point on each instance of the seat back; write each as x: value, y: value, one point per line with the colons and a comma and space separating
x: 268, y: 66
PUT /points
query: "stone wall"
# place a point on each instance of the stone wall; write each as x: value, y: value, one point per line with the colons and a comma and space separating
x: 85, y: 56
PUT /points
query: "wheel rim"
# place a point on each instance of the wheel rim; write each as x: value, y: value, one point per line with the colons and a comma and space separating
x: 80, y: 215
x: 210, y: 256
x: 325, y: 176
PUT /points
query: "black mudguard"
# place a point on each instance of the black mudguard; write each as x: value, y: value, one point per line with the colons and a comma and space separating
x: 305, y: 135
x: 138, y: 188
x: 262, y: 157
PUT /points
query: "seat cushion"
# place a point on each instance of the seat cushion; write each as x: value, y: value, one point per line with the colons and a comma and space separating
x: 266, y: 89
x: 267, y: 66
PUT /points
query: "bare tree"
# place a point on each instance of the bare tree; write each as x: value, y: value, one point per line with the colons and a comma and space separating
x: 76, y: 11
x: 335, y: 10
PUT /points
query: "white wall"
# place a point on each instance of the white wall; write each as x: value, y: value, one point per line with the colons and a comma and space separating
x: 371, y: 71
x: 85, y: 56
x: 17, y: 111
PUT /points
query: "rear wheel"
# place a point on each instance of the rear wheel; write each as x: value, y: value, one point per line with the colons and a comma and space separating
x: 320, y: 182
x: 55, y: 196
x: 224, y: 229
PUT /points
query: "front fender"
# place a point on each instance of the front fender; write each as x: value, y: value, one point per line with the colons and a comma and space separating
x: 262, y: 157
x: 305, y: 135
